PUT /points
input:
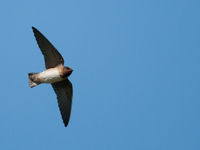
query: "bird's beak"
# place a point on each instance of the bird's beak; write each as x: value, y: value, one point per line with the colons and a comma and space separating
x: 70, y: 70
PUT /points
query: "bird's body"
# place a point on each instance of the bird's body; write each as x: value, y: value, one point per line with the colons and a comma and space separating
x: 55, y: 74
x: 52, y: 75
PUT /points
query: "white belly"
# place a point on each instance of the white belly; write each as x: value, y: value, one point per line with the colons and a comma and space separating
x: 50, y: 76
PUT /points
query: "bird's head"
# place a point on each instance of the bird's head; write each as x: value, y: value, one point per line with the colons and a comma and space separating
x: 67, y: 71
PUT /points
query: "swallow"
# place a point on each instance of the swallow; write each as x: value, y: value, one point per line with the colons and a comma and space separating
x: 55, y: 74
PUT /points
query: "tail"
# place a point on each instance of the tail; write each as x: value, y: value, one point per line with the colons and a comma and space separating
x: 31, y: 77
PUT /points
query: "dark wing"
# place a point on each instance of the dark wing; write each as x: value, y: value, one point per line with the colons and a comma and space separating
x: 64, y: 93
x: 51, y: 56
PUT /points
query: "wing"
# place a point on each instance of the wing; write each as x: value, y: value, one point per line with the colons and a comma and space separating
x: 51, y: 56
x: 64, y: 93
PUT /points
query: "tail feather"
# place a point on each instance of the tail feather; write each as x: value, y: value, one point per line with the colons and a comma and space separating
x: 32, y: 83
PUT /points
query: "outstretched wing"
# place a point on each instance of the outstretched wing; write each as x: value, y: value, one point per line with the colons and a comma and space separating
x: 51, y: 56
x: 64, y: 94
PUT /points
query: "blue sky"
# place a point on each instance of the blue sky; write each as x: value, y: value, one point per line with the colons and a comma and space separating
x: 136, y: 74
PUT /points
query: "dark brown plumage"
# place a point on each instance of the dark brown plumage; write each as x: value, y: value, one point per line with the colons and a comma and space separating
x: 51, y: 55
x: 63, y: 88
x: 64, y: 95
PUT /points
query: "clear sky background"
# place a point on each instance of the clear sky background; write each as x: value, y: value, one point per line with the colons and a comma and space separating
x: 136, y: 74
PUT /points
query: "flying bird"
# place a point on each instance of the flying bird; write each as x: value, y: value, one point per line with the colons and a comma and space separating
x: 55, y: 74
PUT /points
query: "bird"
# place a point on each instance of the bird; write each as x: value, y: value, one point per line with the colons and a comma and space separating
x: 55, y: 74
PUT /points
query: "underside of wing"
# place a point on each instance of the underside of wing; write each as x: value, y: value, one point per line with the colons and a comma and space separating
x: 64, y: 93
x: 51, y: 55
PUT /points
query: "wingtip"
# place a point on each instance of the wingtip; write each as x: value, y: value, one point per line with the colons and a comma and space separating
x: 66, y: 124
x: 34, y: 29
